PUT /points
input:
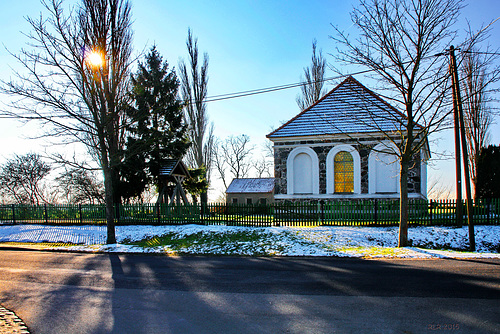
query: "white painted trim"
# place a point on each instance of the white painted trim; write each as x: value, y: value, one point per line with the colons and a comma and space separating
x: 344, y: 196
x: 331, y: 144
x: 354, y: 136
x: 314, y: 168
x: 372, y: 170
x: 330, y: 168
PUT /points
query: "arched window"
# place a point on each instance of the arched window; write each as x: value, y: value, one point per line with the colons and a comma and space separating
x: 343, y: 172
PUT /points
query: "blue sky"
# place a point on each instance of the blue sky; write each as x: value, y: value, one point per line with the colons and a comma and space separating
x: 251, y: 44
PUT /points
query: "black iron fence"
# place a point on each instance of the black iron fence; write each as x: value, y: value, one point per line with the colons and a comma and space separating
x: 347, y: 213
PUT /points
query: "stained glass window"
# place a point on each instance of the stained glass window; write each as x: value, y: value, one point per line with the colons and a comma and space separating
x: 344, y: 172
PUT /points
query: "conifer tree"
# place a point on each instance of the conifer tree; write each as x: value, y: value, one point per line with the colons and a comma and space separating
x: 488, y: 175
x: 157, y: 130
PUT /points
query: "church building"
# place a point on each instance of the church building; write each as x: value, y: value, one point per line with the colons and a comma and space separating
x: 344, y: 147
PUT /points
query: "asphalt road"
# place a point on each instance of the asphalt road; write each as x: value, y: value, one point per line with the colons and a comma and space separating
x: 110, y: 293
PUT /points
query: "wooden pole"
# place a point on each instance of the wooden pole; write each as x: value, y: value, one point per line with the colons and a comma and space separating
x: 457, y: 97
x: 456, y: 122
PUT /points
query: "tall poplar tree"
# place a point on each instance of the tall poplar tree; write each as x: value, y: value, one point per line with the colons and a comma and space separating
x: 314, y: 80
x: 480, y: 74
x: 194, y: 81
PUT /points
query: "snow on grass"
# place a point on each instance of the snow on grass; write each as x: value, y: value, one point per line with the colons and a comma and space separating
x: 426, y: 242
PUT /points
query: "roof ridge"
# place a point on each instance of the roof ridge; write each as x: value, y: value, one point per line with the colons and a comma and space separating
x: 350, y: 107
x: 377, y: 96
x: 312, y: 105
x: 252, y: 178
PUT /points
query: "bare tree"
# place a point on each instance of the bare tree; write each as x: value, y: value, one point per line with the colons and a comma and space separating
x: 438, y: 190
x: 397, y: 41
x: 79, y: 185
x: 479, y: 74
x: 268, y: 148
x: 232, y: 158
x: 21, y: 179
x: 262, y: 167
x: 314, y: 79
x: 194, y: 80
x: 77, y: 81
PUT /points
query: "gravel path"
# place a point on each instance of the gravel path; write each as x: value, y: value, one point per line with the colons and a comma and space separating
x: 10, y: 322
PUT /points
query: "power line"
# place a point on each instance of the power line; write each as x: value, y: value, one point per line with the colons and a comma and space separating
x: 285, y: 86
x: 482, y: 53
x: 272, y: 88
x: 258, y: 91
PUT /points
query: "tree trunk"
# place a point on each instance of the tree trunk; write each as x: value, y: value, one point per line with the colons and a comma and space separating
x: 403, y: 204
x: 204, y: 202
x: 110, y: 215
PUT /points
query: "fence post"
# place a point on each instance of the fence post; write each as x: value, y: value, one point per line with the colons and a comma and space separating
x: 203, y: 209
x: 157, y: 210
x: 80, y: 212
x: 225, y: 211
x: 322, y: 212
x: 375, y: 214
x: 430, y: 211
x: 488, y: 211
x: 275, y: 211
x: 117, y: 213
x: 46, y: 214
x: 13, y: 213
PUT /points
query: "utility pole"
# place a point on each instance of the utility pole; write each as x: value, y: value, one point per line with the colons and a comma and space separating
x: 458, y: 169
x: 457, y: 107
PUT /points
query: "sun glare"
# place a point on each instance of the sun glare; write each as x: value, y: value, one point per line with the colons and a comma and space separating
x: 94, y: 59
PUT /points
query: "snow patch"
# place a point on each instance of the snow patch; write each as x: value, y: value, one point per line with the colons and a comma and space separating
x: 426, y: 242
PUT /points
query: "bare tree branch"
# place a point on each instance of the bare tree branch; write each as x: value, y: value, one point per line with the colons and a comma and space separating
x: 67, y: 95
x: 398, y: 41
x: 479, y: 75
x: 233, y: 154
x: 312, y: 89
x: 21, y: 179
x: 194, y: 80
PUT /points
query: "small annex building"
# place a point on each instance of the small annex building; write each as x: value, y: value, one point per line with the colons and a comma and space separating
x: 339, y: 148
x: 250, y: 191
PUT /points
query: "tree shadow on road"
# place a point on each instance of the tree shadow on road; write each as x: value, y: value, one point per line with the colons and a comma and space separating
x: 118, y: 293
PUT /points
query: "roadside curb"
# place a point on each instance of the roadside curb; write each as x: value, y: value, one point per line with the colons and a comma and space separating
x: 11, y: 323
x: 361, y: 253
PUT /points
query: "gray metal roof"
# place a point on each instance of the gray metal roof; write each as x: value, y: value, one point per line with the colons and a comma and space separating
x: 348, y: 108
x: 257, y: 185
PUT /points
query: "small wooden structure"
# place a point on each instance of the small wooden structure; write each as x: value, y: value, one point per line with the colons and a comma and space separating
x: 170, y: 190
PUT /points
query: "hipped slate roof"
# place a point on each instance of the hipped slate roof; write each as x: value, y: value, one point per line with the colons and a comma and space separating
x: 348, y: 108
x: 262, y: 185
